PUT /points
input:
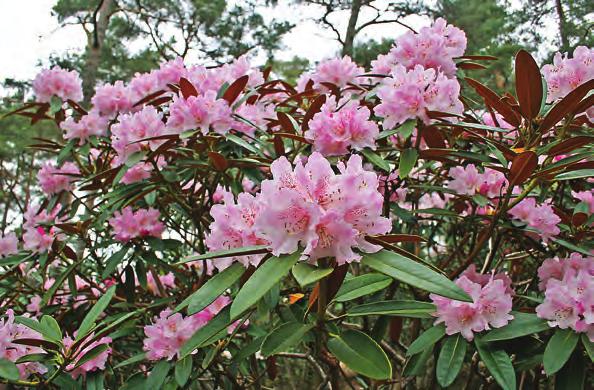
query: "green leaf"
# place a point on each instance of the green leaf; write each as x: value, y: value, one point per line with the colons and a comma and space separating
x: 183, y: 369
x: 158, y: 375
x: 249, y: 349
x: 414, y: 274
x: 9, y: 370
x: 93, y: 353
x: 407, y: 128
x: 243, y: 143
x: 38, y: 327
x: 450, y: 359
x: 415, y: 365
x: 414, y: 309
x: 58, y: 283
x: 134, y: 359
x: 577, y: 174
x: 362, y: 285
x: 113, y: 262
x: 200, y: 338
x: 571, y: 246
x: 88, y: 322
x: 426, y: 340
x: 134, y: 159
x: 282, y: 338
x: 212, y: 289
x: 523, y: 324
x: 246, y: 250
x: 559, y: 349
x: 51, y: 328
x: 361, y: 354
x: 306, y: 274
x: 376, y: 159
x: 573, y: 375
x: 588, y: 346
x: 408, y: 159
x: 265, y: 277
x: 498, y: 363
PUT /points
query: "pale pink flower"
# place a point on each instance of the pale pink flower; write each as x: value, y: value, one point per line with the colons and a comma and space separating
x: 8, y: 244
x: 54, y: 180
x: 110, y: 100
x: 34, y: 305
x: 38, y: 239
x: 57, y: 82
x: 490, y: 307
x: 132, y: 128
x: 433, y: 47
x: 335, y: 131
x: 467, y: 180
x: 128, y: 224
x: 501, y: 123
x: 87, y: 126
x: 586, y: 197
x: 201, y: 112
x: 337, y: 71
x: 566, y: 74
x: 144, y: 84
x: 97, y: 363
x: 170, y: 72
x: 255, y: 114
x: 167, y: 281
x: 542, y: 218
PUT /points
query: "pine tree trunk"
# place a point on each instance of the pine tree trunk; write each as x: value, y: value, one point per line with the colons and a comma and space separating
x: 347, y: 48
x: 562, y: 26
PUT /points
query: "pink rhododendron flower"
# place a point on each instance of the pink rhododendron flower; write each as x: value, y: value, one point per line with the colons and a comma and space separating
x: 57, y: 82
x: 468, y: 181
x: 490, y: 307
x: 233, y: 227
x: 256, y: 114
x: 34, y: 305
x: 501, y: 123
x: 110, y: 100
x: 134, y: 127
x: 411, y: 93
x: 433, y: 48
x: 569, y: 293
x: 87, y: 126
x: 167, y: 281
x: 94, y: 364
x: 128, y: 224
x: 10, y: 331
x: 337, y: 71
x: 566, y: 74
x: 540, y: 217
x: 200, y: 112
x: 38, y: 239
x: 8, y: 244
x: 53, y: 180
x: 334, y: 131
x: 586, y: 197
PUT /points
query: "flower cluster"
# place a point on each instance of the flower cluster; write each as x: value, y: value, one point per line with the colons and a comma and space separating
x: 586, y: 197
x: 411, y: 93
x: 565, y: 74
x: 57, y: 82
x: 128, y: 224
x: 8, y: 244
x: 95, y: 363
x: 54, y: 180
x: 337, y: 71
x: 490, y: 307
x: 433, y: 47
x: 540, y: 217
x: 200, y: 112
x: 87, y: 126
x: 569, y: 293
x: 10, y: 331
x: 328, y: 214
x: 334, y: 131
x: 167, y: 334
x: 468, y: 181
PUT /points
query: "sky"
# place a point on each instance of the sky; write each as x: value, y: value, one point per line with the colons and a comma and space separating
x: 30, y: 34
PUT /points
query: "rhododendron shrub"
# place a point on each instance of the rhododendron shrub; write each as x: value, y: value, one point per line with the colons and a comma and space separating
x: 221, y: 228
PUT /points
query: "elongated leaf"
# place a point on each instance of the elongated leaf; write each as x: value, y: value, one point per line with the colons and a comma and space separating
x: 248, y: 250
x: 113, y: 262
x: 588, y: 346
x: 51, y: 328
x: 450, y: 359
x: 578, y: 174
x: 265, y: 277
x: 134, y: 359
x: 36, y: 326
x: 414, y: 274
x: 416, y: 364
x: 183, y: 369
x: 306, y: 274
x: 362, y: 285
x: 565, y: 106
x: 49, y: 294
x: 158, y: 375
x: 523, y: 324
x: 235, y: 89
x: 93, y: 353
x: 376, y: 159
x: 361, y: 354
x: 498, y: 363
x: 522, y: 167
x: 528, y: 85
x: 573, y: 375
x: 414, y: 309
x: 408, y: 159
x: 284, y: 337
x: 212, y: 289
x: 88, y: 322
x: 8, y: 370
x: 426, y: 340
x: 559, y: 349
